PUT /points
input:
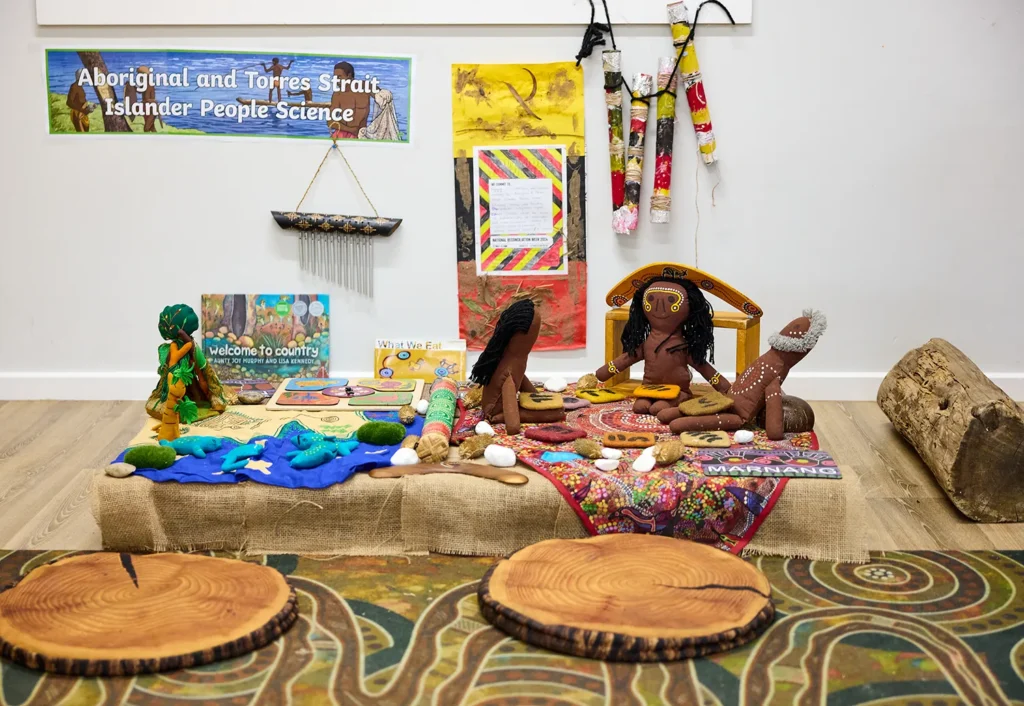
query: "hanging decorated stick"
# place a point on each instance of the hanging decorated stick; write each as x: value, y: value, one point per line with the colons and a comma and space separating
x: 612, y: 61
x: 437, y: 427
x: 625, y: 219
x: 689, y: 68
x: 661, y: 200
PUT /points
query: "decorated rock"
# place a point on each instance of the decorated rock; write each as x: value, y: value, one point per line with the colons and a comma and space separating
x: 554, y: 433
x: 571, y: 403
x: 588, y: 382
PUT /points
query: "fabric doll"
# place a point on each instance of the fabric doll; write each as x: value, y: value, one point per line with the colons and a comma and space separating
x: 501, y: 368
x: 670, y: 329
x: 760, y: 385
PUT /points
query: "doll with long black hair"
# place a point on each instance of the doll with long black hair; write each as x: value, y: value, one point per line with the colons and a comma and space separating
x: 501, y: 368
x: 670, y: 330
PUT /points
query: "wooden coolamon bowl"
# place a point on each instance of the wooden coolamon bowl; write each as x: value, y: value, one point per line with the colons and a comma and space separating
x: 119, y: 614
x: 627, y: 598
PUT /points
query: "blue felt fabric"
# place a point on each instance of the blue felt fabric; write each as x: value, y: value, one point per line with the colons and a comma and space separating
x: 365, y: 457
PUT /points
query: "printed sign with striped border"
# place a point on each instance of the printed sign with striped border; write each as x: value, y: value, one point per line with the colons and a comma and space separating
x: 544, y: 253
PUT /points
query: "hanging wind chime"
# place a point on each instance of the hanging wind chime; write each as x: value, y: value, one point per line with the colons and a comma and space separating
x: 626, y: 152
x: 335, y: 247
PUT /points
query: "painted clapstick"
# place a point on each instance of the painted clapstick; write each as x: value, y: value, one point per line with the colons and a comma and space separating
x: 661, y: 200
x: 693, y: 83
x: 612, y: 62
x: 437, y: 428
x: 625, y: 218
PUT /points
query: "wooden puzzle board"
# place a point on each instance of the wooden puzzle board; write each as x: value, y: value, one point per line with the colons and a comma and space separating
x: 345, y: 394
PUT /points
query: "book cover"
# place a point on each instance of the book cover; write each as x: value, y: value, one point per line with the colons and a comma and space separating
x: 254, y: 341
x: 423, y: 360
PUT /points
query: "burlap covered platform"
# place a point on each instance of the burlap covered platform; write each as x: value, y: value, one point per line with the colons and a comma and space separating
x: 450, y: 514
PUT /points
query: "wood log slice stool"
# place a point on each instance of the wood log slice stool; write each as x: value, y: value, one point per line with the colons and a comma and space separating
x: 627, y: 598
x: 109, y: 614
x: 746, y: 321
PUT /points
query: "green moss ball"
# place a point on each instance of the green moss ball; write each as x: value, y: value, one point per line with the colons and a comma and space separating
x: 381, y: 433
x: 155, y: 457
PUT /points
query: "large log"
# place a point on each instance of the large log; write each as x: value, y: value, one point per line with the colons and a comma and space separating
x: 967, y: 431
x: 627, y: 598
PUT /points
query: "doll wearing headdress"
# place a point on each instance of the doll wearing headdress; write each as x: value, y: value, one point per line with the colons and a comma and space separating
x: 670, y: 330
x: 501, y: 368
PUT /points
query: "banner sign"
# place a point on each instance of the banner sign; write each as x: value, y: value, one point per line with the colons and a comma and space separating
x: 235, y: 94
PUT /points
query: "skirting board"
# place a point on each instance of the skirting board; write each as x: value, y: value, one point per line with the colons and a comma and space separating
x: 138, y: 385
x: 384, y: 12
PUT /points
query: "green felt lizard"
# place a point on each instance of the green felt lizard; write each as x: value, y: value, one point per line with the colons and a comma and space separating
x: 197, y: 446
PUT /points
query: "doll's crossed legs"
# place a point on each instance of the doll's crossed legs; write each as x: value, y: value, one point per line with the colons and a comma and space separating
x: 645, y: 406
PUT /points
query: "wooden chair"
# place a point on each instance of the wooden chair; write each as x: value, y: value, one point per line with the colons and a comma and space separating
x: 746, y: 321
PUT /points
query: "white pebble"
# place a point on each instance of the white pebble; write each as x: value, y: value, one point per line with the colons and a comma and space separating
x: 500, y: 456
x: 606, y: 464
x: 743, y: 436
x: 421, y: 407
x: 644, y: 463
x: 405, y: 457
x: 120, y: 470
x: 483, y: 428
x: 613, y: 454
x: 556, y: 384
x: 649, y: 451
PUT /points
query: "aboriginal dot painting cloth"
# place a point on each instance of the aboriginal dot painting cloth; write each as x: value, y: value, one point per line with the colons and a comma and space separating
x: 678, y: 500
x: 929, y: 628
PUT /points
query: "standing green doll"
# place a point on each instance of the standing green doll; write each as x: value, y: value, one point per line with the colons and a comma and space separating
x: 189, y: 388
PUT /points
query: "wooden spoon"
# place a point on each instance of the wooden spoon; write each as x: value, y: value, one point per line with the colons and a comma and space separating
x: 502, y: 475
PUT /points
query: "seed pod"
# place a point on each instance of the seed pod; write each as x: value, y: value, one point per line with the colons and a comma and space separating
x: 667, y: 452
x: 587, y: 448
x: 474, y: 446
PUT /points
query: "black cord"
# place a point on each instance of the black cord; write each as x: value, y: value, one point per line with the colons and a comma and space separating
x: 594, y: 37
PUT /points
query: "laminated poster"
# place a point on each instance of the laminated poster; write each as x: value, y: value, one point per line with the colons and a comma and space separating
x: 418, y: 359
x: 254, y: 341
x: 228, y: 93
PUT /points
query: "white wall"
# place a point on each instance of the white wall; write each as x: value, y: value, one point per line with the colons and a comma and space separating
x: 871, y: 166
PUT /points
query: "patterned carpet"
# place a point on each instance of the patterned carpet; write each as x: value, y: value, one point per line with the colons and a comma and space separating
x: 924, y: 628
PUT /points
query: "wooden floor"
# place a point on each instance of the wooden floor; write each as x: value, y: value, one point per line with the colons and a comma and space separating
x: 46, y: 447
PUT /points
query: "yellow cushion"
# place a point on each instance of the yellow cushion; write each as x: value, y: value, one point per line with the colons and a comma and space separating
x: 710, y: 403
x: 629, y: 439
x: 657, y: 392
x: 706, y: 439
x: 540, y: 400
x: 600, y: 396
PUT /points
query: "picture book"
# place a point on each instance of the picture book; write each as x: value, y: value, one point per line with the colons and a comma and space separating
x: 254, y: 341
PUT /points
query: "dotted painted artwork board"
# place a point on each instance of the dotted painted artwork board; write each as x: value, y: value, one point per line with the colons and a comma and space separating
x: 343, y: 394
